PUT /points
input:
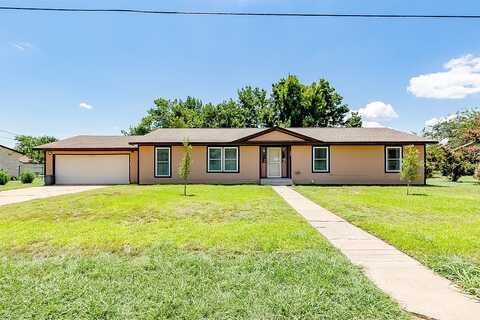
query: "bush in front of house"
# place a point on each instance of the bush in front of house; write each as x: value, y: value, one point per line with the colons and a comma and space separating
x: 27, y: 177
x: 4, y: 178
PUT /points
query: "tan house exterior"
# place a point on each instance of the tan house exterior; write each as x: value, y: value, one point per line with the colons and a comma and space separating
x: 15, y: 162
x: 233, y: 156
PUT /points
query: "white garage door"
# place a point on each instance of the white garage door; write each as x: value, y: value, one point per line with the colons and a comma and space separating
x: 92, y: 169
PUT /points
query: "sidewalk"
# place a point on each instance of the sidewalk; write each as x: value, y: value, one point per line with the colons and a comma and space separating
x: 415, y: 287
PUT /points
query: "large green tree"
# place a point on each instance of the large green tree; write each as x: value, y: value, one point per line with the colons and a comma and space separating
x: 315, y: 105
x: 25, y: 144
x: 355, y: 121
x: 291, y: 103
x: 461, y: 136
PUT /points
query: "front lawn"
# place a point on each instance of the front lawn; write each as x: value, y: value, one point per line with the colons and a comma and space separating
x: 19, y: 185
x: 439, y: 225
x: 147, y: 252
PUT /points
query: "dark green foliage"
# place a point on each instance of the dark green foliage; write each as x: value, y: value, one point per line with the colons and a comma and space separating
x: 476, y: 174
x: 435, y: 156
x: 4, y: 178
x: 429, y: 170
x: 27, y: 177
x: 290, y: 104
x: 462, y: 134
x: 355, y: 121
x: 26, y: 144
x: 453, y: 164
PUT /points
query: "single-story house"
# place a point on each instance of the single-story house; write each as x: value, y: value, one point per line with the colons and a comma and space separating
x: 228, y: 156
x: 15, y: 162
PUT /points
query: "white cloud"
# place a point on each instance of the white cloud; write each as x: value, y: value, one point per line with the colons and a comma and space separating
x: 377, y: 110
x: 22, y: 46
x: 461, y: 79
x: 434, y: 121
x: 85, y: 105
x: 372, y: 124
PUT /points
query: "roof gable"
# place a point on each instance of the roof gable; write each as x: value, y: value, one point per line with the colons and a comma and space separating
x: 10, y: 149
x: 276, y: 134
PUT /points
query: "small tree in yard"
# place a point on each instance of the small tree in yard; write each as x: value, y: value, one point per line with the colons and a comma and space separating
x: 185, y: 167
x: 409, y: 166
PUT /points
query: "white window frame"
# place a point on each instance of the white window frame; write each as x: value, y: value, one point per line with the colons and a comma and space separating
x: 169, y: 162
x: 327, y: 158
x: 208, y: 159
x: 224, y: 158
x: 387, y: 158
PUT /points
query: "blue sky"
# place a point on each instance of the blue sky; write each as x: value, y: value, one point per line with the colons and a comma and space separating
x: 50, y: 63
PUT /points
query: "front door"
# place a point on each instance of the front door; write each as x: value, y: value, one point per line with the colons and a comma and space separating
x: 274, y: 162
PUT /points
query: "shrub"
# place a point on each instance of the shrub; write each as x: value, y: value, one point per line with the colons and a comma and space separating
x: 4, y: 178
x: 476, y: 175
x: 453, y: 165
x: 27, y: 177
x: 429, y: 170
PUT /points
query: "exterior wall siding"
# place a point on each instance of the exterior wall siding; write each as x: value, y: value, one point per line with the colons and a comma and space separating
x: 9, y: 161
x: 133, y: 160
x: 349, y: 164
x: 249, y: 166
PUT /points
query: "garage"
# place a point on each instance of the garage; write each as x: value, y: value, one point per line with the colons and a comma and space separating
x: 92, y: 169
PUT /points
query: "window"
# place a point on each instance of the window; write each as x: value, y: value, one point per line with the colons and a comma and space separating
x: 222, y: 159
x: 393, y: 159
x: 162, y: 162
x: 230, y: 155
x: 320, y: 159
x: 214, y: 159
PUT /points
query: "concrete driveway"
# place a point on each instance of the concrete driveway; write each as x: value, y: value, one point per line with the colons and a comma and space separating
x: 26, y: 194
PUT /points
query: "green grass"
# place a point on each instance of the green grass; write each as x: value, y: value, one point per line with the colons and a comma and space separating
x: 19, y: 185
x: 147, y: 252
x: 439, y: 225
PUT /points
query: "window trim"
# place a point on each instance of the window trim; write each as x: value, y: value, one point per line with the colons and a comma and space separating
x: 155, y: 168
x: 222, y: 158
x: 327, y: 147
x: 387, y: 158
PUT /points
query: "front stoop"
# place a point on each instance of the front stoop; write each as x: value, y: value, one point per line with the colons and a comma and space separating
x: 277, y: 182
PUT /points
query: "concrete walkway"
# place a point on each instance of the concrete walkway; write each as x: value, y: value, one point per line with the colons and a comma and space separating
x: 415, y: 287
x: 26, y: 194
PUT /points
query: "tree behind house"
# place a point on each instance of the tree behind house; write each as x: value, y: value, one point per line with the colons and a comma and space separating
x: 185, y: 167
x: 409, y: 166
x: 26, y: 144
x: 290, y: 104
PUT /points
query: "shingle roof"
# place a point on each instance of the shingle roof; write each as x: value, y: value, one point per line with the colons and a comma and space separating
x: 195, y: 135
x: 230, y: 135
x: 8, y: 148
x: 328, y: 135
x: 357, y: 135
x: 91, y: 142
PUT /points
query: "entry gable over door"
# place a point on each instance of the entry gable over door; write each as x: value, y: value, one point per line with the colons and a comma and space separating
x: 277, y: 135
